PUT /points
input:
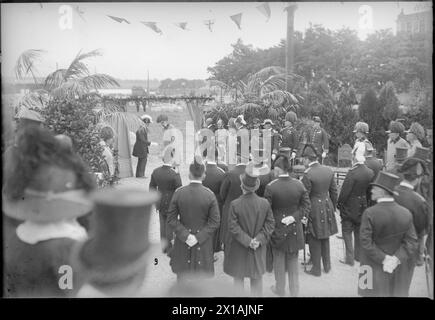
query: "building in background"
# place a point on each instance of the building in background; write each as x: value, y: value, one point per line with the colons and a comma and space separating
x: 413, y: 23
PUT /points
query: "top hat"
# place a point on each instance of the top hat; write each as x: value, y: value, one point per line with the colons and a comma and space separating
x: 285, y: 151
x: 249, y: 179
x: 162, y: 117
x: 422, y: 154
x: 117, y: 249
x: 395, y: 127
x: 146, y: 118
x: 267, y: 121
x: 386, y: 181
x: 416, y: 129
x: 317, y: 119
x: 361, y: 127
x: 197, y: 167
x: 291, y: 116
x: 401, y: 154
x: 309, y: 152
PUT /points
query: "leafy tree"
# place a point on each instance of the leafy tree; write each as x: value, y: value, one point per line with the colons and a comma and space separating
x: 388, y: 102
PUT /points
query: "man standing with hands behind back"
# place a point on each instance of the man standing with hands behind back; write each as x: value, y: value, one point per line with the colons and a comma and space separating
x: 141, y: 145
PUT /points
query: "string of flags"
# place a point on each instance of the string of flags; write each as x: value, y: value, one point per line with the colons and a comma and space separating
x: 263, y: 8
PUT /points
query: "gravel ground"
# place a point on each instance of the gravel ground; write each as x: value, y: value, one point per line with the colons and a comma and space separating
x: 340, y: 282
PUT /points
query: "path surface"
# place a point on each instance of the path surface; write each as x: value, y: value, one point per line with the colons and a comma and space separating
x: 340, y: 282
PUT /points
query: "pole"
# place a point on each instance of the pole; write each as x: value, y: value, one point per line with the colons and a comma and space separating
x: 289, y: 61
x: 148, y: 83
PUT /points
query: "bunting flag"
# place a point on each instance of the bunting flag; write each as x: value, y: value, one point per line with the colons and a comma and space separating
x: 182, y: 25
x: 120, y: 20
x: 153, y: 26
x: 80, y: 12
x: 237, y: 18
x: 265, y: 10
x: 209, y: 24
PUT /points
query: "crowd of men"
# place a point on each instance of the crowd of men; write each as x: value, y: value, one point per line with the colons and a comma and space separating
x: 261, y: 212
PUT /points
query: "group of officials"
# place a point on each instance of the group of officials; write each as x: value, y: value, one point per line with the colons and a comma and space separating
x: 262, y: 213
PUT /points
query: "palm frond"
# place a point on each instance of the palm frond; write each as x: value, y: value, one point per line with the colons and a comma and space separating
x: 248, y: 107
x: 25, y: 63
x: 77, y: 68
x: 98, y: 81
x: 55, y: 79
x: 132, y: 121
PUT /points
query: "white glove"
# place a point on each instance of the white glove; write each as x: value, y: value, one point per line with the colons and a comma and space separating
x: 191, y: 240
x: 304, y: 220
x: 273, y: 157
x: 390, y: 263
x: 324, y: 154
x: 154, y: 144
x: 293, y: 155
x: 288, y: 220
x: 254, y: 244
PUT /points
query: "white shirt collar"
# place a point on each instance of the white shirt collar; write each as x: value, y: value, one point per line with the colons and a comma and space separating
x: 32, y: 233
x: 407, y: 185
x: 386, y: 199
x: 314, y: 162
x: 283, y: 175
x: 196, y: 181
x: 241, y: 164
x: 211, y: 162
x: 167, y: 165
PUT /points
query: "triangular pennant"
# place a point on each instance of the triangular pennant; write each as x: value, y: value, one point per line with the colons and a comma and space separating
x: 182, y: 25
x: 265, y: 9
x: 237, y: 18
x: 209, y: 24
x: 120, y: 20
x: 153, y: 26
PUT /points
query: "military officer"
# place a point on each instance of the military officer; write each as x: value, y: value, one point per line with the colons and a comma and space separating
x: 289, y: 134
x: 291, y: 206
x: 166, y: 181
x: 230, y: 190
x: 352, y: 202
x: 320, y: 184
x: 394, y: 141
x: 250, y: 225
x: 194, y: 216
x: 362, y: 143
x: 388, y: 240
x: 319, y: 139
x: 214, y: 175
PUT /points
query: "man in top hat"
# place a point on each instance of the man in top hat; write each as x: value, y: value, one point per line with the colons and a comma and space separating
x: 388, y: 240
x: 250, y: 225
x: 322, y: 189
x: 291, y: 206
x: 414, y: 136
x: 140, y: 148
x: 289, y: 134
x: 319, y: 139
x: 274, y: 136
x: 394, y: 141
x: 230, y: 190
x: 214, y: 175
x: 194, y: 216
x: 352, y: 202
x: 407, y: 197
x: 166, y: 180
x: 375, y: 164
x: 362, y: 143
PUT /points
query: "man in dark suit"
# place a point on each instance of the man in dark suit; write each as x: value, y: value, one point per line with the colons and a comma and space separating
x: 319, y: 139
x: 320, y: 184
x: 166, y: 180
x: 194, y: 216
x: 352, y: 202
x: 289, y: 134
x: 250, y: 226
x: 375, y: 164
x: 141, y: 145
x: 214, y: 175
x: 388, y: 240
x: 291, y: 206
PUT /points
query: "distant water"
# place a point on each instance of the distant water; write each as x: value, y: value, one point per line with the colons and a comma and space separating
x: 115, y: 91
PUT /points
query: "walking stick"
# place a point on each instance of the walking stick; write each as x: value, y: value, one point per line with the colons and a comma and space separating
x: 305, y: 245
x: 427, y: 272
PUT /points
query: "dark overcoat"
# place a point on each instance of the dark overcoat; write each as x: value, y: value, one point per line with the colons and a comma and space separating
x: 352, y: 200
x: 193, y: 210
x: 265, y: 179
x: 374, y: 164
x: 250, y: 217
x: 288, y: 197
x: 320, y: 140
x: 320, y: 184
x: 140, y: 148
x: 289, y: 138
x: 230, y: 190
x: 165, y: 180
x: 386, y: 229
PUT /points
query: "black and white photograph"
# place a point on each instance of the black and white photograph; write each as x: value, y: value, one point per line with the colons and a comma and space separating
x: 217, y: 149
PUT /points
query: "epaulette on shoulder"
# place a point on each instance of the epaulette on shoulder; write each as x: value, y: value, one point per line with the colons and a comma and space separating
x: 420, y: 196
x: 221, y: 169
x: 307, y: 169
x: 271, y: 182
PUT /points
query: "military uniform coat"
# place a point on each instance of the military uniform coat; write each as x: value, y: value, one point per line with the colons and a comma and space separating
x: 193, y: 210
x: 166, y: 180
x: 288, y: 197
x: 387, y: 228
x: 250, y: 217
x: 140, y: 148
x: 320, y: 184
x: 230, y: 190
x: 320, y: 140
x: 289, y: 138
x: 352, y: 200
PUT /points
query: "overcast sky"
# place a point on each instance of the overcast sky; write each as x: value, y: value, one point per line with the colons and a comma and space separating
x: 130, y: 49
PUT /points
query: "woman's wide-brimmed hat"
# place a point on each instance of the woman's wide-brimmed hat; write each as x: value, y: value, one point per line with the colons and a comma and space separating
x: 421, y: 156
x: 386, y: 181
x: 267, y: 121
x: 395, y: 127
x: 361, y: 127
x: 146, y: 118
x: 416, y: 129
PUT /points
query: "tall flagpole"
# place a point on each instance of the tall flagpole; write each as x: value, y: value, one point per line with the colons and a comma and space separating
x: 148, y: 83
x: 289, y: 61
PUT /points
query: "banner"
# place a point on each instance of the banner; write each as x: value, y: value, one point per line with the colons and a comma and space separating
x: 120, y: 20
x: 265, y: 10
x: 153, y: 26
x: 237, y: 18
x: 181, y: 25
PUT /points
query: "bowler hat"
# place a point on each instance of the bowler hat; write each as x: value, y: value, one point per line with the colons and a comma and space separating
x: 291, y: 116
x: 317, y: 119
x: 197, y: 167
x: 146, y: 118
x: 309, y: 152
x: 386, y: 181
x: 416, y: 129
x: 249, y: 179
x: 401, y: 154
x: 361, y: 127
x: 117, y: 249
x: 395, y: 127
